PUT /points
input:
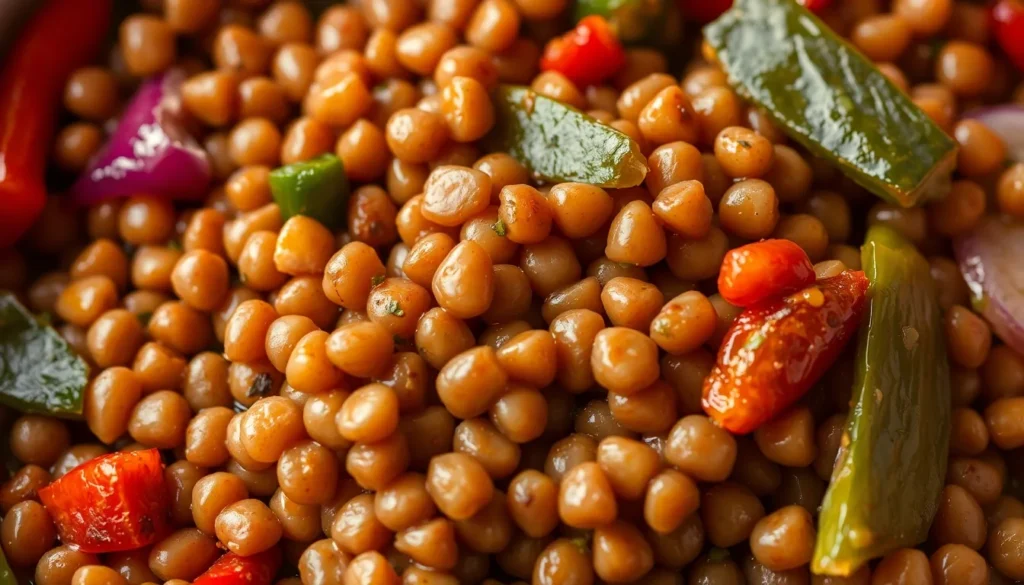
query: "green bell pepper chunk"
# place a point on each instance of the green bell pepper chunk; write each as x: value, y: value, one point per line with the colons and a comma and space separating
x: 6, y: 574
x: 891, y: 467
x: 317, y: 188
x: 559, y: 143
x: 832, y: 99
x: 39, y: 372
x: 634, y: 21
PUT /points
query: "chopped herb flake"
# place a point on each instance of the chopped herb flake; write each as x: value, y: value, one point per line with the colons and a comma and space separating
x: 500, y: 228
x: 744, y: 143
x: 175, y: 245
x: 755, y: 341
x: 394, y: 308
x: 262, y: 385
x: 144, y: 317
x: 376, y: 279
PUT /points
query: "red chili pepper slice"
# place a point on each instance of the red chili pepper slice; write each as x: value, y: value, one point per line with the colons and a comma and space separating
x: 231, y: 569
x: 1008, y: 25
x: 764, y: 270
x: 775, y: 351
x: 704, y: 11
x: 815, y: 6
x: 588, y: 54
x: 116, y: 502
x: 63, y: 36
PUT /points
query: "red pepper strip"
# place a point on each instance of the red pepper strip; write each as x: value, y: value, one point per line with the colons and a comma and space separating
x: 815, y: 6
x: 775, y: 351
x: 764, y: 270
x: 231, y: 569
x: 588, y: 54
x: 63, y: 36
x: 1008, y: 25
x: 116, y: 502
x: 704, y: 11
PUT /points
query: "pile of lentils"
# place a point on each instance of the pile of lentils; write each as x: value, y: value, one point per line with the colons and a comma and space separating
x: 438, y: 401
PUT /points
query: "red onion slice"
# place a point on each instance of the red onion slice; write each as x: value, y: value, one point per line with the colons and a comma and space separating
x: 149, y: 152
x: 990, y: 261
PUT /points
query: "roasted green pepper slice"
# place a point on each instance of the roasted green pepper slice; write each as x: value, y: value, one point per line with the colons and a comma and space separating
x: 39, y: 372
x: 832, y: 99
x: 634, y: 21
x: 892, y: 461
x: 317, y: 188
x: 559, y: 143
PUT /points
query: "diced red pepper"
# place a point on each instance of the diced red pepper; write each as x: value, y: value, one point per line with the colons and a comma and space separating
x: 62, y: 36
x: 588, y: 54
x: 775, y: 351
x: 815, y: 6
x: 764, y: 270
x: 116, y: 502
x: 231, y: 569
x: 703, y: 11
x: 1008, y: 25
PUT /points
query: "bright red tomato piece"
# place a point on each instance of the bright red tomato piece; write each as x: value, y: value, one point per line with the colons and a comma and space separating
x: 231, y: 569
x: 588, y: 54
x: 764, y: 270
x: 704, y: 11
x: 116, y: 502
x: 1008, y: 26
x: 775, y: 351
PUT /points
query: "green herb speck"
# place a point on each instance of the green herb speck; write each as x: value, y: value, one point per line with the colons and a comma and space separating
x: 376, y: 279
x: 262, y: 385
x: 500, y: 228
x: 144, y: 317
x: 755, y: 341
x: 394, y: 308
x: 744, y: 144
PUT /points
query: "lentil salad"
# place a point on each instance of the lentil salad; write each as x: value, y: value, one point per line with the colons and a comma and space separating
x: 503, y: 291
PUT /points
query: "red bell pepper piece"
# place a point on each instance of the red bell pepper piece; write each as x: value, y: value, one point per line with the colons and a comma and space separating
x: 1007, y: 18
x: 815, y: 6
x: 115, y: 502
x: 231, y: 569
x: 764, y: 270
x: 588, y: 54
x: 775, y: 351
x: 63, y: 36
x: 704, y: 11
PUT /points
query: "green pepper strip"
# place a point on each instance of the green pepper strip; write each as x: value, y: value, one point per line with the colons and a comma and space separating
x: 892, y: 461
x: 317, y: 188
x: 832, y: 99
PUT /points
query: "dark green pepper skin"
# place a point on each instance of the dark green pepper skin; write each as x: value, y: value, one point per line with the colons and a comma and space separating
x: 39, y: 372
x: 892, y: 461
x: 317, y: 188
x: 560, y: 144
x: 832, y: 99
x: 652, y: 22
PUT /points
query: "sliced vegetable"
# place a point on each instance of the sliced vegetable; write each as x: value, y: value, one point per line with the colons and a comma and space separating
x: 833, y: 100
x: 776, y: 350
x: 39, y: 372
x: 62, y: 36
x: 1008, y: 28
x: 150, y: 151
x: 764, y: 270
x: 892, y: 463
x: 703, y: 11
x: 989, y: 260
x: 231, y: 569
x: 587, y: 54
x: 317, y: 188
x: 562, y: 144
x: 112, y: 503
x: 1007, y: 121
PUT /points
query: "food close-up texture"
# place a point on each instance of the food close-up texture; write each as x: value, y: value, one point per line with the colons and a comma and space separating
x: 508, y: 292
